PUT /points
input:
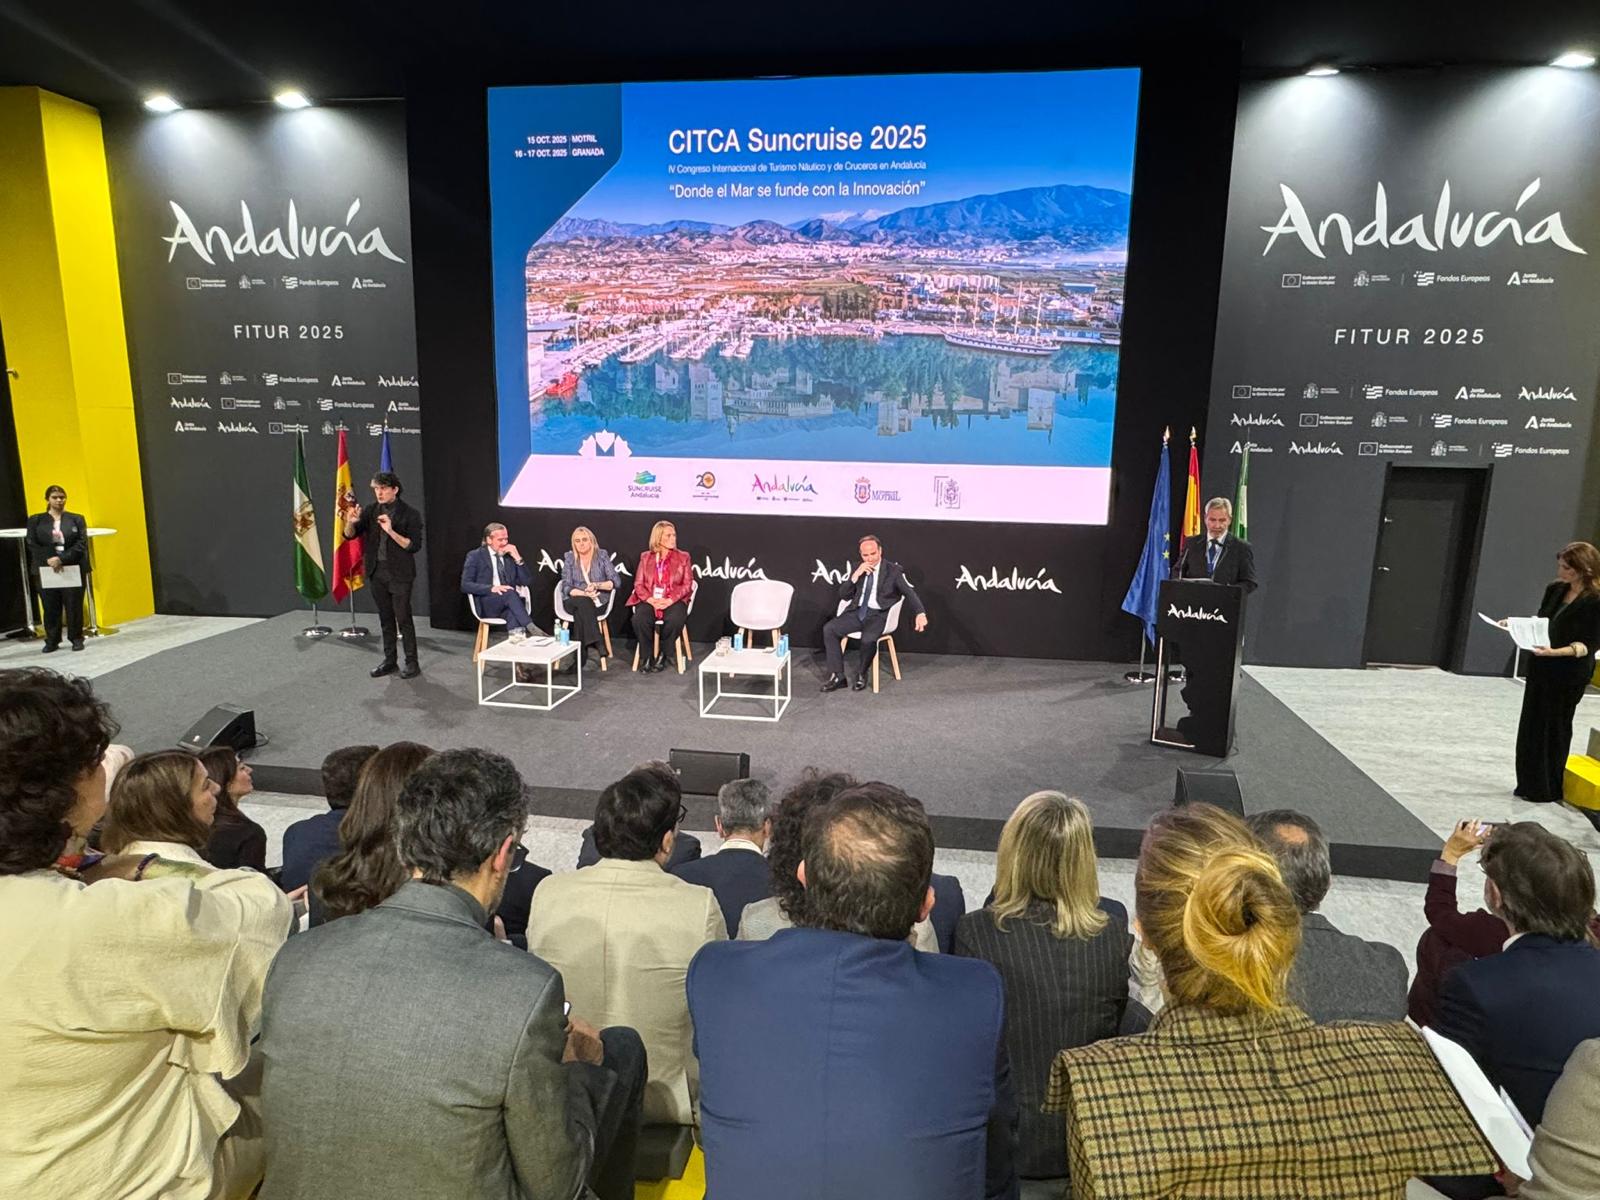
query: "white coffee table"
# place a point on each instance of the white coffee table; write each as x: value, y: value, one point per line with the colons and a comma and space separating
x: 531, y: 654
x: 758, y: 663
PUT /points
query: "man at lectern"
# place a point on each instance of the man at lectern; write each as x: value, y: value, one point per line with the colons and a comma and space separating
x: 1219, y: 556
x: 871, y: 591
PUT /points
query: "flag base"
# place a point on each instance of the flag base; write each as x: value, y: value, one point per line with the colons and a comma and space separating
x: 355, y: 631
x: 1139, y: 677
x: 315, y: 631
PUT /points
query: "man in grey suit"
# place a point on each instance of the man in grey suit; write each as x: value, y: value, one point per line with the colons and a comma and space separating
x: 1337, y: 976
x: 409, y: 1053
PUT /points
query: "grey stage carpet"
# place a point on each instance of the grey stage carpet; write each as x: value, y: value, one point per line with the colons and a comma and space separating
x: 968, y: 736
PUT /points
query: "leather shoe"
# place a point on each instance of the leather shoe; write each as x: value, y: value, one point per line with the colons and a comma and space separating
x: 646, y: 664
x: 833, y: 683
x: 661, y: 662
x: 50, y: 648
x: 859, y: 685
x: 382, y: 669
x: 77, y: 645
x: 410, y: 671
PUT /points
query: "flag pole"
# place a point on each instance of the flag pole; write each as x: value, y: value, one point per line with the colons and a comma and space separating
x: 355, y: 631
x: 1141, y: 675
x: 315, y: 629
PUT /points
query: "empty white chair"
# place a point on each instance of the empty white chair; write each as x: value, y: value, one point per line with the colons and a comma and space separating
x: 564, y: 615
x: 758, y: 604
x: 889, y: 627
x: 683, y: 648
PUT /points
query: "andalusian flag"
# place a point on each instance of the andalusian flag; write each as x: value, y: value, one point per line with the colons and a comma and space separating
x: 309, y: 578
x: 347, y: 566
x: 1191, y: 499
x: 1241, y: 499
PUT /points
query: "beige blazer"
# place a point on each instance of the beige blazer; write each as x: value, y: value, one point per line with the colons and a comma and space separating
x: 622, y: 933
x: 1566, y: 1150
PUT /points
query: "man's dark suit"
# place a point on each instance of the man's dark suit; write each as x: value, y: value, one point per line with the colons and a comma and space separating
x: 307, y: 843
x: 526, y: 875
x: 892, y: 585
x: 949, y: 903
x: 477, y: 579
x: 409, y: 1053
x: 685, y: 848
x: 74, y: 553
x: 1522, y: 1012
x: 391, y: 570
x: 1339, y: 977
x: 737, y: 874
x: 834, y: 1065
x: 1236, y: 562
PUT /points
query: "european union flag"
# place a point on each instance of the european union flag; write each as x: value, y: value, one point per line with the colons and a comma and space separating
x: 1155, y: 564
x: 385, y: 459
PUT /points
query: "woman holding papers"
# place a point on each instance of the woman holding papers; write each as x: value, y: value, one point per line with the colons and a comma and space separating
x: 1558, y: 673
x: 58, y: 545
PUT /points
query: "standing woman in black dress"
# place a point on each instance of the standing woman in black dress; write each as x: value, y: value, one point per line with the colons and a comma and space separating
x: 1558, y: 673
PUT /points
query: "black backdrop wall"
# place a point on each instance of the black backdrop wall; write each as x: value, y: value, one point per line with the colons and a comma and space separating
x: 1463, y: 338
x: 1042, y: 591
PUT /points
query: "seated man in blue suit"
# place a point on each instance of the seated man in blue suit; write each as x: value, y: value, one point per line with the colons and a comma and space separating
x: 306, y: 843
x: 738, y: 872
x: 493, y: 573
x: 836, y: 1062
x: 1522, y: 1012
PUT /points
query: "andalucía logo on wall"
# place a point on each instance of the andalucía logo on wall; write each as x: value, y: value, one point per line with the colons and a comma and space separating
x: 292, y: 240
x: 1449, y: 230
x: 729, y: 571
x: 1014, y: 582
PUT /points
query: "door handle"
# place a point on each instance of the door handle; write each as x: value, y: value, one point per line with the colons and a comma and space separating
x: 1385, y: 569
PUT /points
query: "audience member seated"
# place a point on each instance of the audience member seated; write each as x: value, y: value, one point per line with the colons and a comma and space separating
x: 408, y: 1053
x: 161, y: 804
x: 1565, y: 1157
x: 1452, y: 936
x: 737, y: 873
x: 685, y: 847
x: 780, y: 910
x: 622, y: 933
x: 1521, y: 1013
x: 949, y: 906
x: 124, y: 1004
x: 1337, y: 976
x: 835, y: 1060
x: 515, y: 905
x: 1233, y: 1091
x: 367, y: 870
x: 309, y: 842
x: 1062, y: 950
x: 236, y: 840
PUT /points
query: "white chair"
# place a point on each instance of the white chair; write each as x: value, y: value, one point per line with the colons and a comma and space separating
x: 889, y: 626
x: 482, y: 641
x: 758, y: 604
x: 565, y: 617
x: 684, y: 651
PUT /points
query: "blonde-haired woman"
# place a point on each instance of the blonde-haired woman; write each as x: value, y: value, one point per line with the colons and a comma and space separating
x: 661, y: 589
x: 1233, y: 1091
x: 587, y: 578
x: 1061, y: 948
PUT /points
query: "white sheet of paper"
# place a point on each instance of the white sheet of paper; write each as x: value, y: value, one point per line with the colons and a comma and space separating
x: 1526, y: 632
x: 1499, y: 1122
x: 66, y: 577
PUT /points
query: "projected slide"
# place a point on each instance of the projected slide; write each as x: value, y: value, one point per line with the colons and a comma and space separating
x: 892, y: 297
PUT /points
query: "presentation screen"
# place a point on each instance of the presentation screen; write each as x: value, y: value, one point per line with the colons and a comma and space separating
x: 895, y: 296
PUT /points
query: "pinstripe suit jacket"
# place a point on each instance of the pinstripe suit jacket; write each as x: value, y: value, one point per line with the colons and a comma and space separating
x: 1060, y: 992
x: 1260, y: 1107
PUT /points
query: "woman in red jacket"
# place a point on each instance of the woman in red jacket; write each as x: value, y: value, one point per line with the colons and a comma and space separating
x: 661, y: 589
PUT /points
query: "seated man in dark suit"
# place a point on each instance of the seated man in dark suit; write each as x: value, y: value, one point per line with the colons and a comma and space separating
x: 446, y: 1037
x: 493, y: 573
x: 949, y: 906
x: 738, y: 872
x: 1522, y: 1012
x: 835, y: 1060
x: 306, y: 843
x: 524, y: 879
x: 872, y: 590
x: 1337, y: 976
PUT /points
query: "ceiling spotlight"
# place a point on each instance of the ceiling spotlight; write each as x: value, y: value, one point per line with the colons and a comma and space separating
x: 291, y: 99
x: 1322, y: 70
x: 161, y: 103
x: 1574, y: 60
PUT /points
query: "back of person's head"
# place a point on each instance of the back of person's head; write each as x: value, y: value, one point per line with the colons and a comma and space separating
x: 1546, y: 884
x: 1046, y: 856
x: 636, y: 812
x: 1214, y: 908
x: 222, y: 764
x: 153, y: 801
x: 340, y: 770
x: 868, y: 859
x: 53, y: 734
x: 1301, y: 850
x: 742, y: 805
x: 786, y: 846
x: 455, y: 811
x: 367, y: 870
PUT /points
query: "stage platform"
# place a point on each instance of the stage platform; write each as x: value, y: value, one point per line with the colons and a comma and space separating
x: 968, y: 736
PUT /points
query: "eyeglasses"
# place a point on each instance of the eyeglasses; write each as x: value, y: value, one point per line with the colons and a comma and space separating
x: 683, y: 813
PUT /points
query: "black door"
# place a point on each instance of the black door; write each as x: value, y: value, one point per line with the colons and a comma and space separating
x: 1426, y: 550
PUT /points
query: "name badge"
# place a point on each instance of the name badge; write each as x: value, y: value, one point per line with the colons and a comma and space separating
x: 660, y: 591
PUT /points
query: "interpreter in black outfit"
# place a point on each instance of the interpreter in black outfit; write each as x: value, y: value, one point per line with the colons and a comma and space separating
x: 58, y: 539
x: 391, y: 533
x: 1558, y: 673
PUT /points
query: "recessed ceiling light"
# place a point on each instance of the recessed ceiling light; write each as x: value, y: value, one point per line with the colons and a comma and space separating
x: 1322, y: 70
x: 161, y: 103
x: 291, y: 99
x: 1574, y: 60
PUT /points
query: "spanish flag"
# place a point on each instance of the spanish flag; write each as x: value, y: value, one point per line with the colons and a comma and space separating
x: 1191, y: 499
x: 347, y: 576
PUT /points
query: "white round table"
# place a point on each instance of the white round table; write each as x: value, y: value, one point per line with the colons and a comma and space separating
x: 20, y: 536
